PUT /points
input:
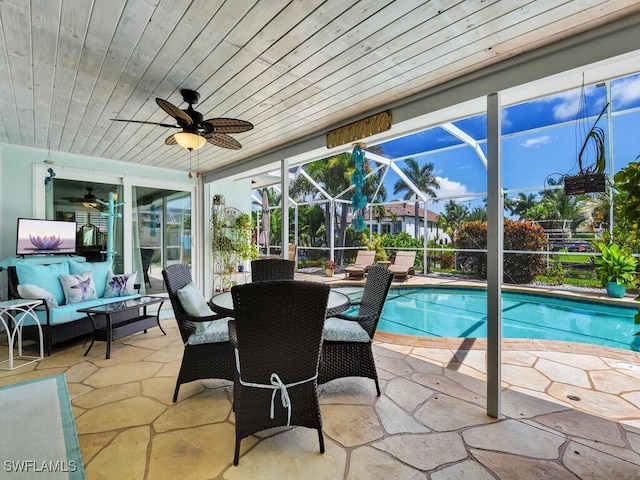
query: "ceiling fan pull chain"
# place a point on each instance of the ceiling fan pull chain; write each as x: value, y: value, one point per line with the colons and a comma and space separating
x: 190, y: 175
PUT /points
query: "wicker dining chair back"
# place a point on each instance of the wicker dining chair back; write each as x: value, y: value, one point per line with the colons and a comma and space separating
x: 374, y: 296
x: 272, y: 269
x: 349, y: 358
x: 277, y: 334
x: 206, y: 360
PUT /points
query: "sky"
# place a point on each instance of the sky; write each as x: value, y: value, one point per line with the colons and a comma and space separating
x: 541, y: 139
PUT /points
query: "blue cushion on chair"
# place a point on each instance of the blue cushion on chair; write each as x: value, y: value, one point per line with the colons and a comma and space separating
x: 215, y: 332
x: 44, y: 276
x: 339, y: 330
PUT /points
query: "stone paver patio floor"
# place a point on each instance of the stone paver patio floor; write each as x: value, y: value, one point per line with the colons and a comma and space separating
x: 568, y: 411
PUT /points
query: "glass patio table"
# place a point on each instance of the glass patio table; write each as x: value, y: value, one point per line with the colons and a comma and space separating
x: 222, y: 303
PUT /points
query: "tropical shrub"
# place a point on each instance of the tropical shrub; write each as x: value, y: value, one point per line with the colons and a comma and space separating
x: 556, y: 271
x: 446, y: 261
x: 400, y: 240
x: 517, y: 267
x: 473, y: 235
x: 376, y: 244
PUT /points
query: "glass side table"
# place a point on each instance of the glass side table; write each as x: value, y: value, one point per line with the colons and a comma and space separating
x: 13, y: 314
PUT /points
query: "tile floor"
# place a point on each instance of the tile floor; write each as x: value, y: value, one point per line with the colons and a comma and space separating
x: 569, y: 411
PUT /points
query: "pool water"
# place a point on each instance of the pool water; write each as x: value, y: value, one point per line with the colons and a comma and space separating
x: 452, y: 312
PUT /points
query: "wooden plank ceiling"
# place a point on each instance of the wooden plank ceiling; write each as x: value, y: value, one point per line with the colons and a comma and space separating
x: 292, y: 68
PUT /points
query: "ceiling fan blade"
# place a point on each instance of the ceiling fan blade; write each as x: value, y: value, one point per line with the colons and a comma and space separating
x: 170, y: 140
x: 224, y: 141
x: 168, y: 125
x: 174, y: 111
x: 228, y: 125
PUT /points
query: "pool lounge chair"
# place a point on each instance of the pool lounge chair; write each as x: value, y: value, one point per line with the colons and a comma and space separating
x: 402, y: 268
x: 357, y: 269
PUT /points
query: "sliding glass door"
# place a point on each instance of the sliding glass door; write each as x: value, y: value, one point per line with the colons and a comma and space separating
x: 161, y: 233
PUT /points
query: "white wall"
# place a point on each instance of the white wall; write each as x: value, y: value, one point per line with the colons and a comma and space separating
x: 237, y: 194
x: 22, y: 192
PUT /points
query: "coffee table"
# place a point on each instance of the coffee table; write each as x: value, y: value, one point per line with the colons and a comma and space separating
x: 115, y: 320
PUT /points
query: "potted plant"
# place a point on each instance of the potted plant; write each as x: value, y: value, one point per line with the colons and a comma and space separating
x: 615, y: 268
x: 243, y: 220
x: 590, y: 178
x: 329, y: 267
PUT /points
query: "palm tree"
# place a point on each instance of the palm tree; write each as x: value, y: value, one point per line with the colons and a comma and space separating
x: 453, y: 216
x: 334, y: 175
x: 425, y: 182
x: 523, y: 203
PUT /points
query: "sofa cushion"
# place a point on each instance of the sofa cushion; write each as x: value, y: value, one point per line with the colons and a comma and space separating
x: 195, y: 305
x: 78, y: 288
x: 215, y: 332
x: 69, y: 313
x: 339, y: 330
x: 119, y: 285
x: 34, y: 292
x: 44, y: 276
x: 99, y: 270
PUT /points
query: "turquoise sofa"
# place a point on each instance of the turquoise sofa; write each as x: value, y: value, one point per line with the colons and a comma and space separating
x: 60, y: 320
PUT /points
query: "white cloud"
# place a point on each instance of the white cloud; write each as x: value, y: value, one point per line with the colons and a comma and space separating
x: 626, y: 91
x: 449, y: 188
x: 536, y: 142
x: 569, y: 103
x: 506, y: 121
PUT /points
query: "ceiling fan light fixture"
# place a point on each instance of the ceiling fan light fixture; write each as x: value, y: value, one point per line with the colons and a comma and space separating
x: 190, y: 141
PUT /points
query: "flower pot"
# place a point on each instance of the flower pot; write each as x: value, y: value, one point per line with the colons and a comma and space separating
x: 328, y: 272
x: 615, y: 289
x: 240, y: 268
x: 584, y: 183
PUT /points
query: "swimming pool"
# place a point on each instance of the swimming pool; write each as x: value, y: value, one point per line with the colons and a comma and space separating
x: 457, y: 312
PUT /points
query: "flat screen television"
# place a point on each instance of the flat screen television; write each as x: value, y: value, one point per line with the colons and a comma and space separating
x: 38, y: 237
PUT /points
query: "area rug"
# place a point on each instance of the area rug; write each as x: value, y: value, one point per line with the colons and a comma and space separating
x: 39, y: 438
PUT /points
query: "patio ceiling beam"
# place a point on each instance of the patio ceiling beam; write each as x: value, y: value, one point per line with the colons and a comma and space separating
x: 322, y: 191
x: 385, y: 161
x: 466, y: 138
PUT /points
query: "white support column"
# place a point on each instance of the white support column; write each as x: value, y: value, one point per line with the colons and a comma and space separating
x: 495, y: 227
x: 284, y: 203
x: 332, y: 229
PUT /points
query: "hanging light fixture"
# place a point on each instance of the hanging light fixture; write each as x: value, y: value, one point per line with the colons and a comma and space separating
x: 190, y: 141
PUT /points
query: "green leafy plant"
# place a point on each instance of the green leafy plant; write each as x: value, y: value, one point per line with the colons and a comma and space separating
x: 243, y: 220
x: 616, y: 264
x: 556, y: 271
x: 595, y: 137
x: 627, y: 183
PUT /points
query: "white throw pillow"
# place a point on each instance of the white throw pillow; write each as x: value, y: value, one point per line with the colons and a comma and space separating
x: 194, y: 304
x: 78, y: 288
x: 120, y: 285
x: 34, y: 292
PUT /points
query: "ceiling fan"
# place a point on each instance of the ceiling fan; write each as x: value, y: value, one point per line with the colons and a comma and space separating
x: 89, y: 200
x: 196, y: 131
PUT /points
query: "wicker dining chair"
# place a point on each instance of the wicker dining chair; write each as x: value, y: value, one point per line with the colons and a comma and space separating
x: 202, y: 360
x: 347, y: 345
x: 277, y: 336
x: 272, y: 269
